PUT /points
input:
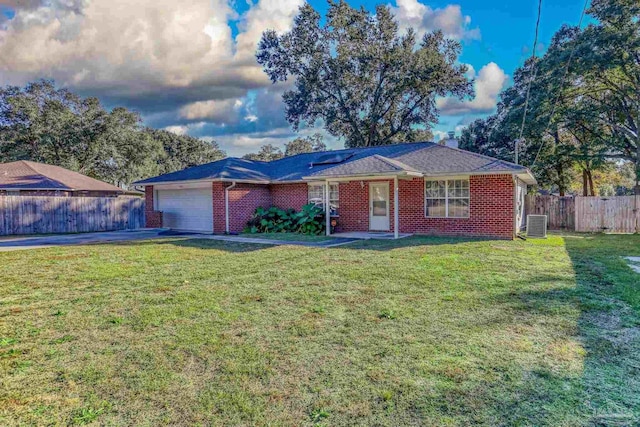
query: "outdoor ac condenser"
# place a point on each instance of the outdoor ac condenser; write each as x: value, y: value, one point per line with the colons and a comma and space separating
x: 537, y: 226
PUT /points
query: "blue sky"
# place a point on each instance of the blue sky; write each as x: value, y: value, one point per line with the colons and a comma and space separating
x: 189, y: 66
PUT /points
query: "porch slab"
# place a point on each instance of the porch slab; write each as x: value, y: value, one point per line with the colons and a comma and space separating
x: 367, y: 235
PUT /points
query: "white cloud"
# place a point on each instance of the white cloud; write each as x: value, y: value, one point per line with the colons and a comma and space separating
x: 148, y: 48
x: 423, y: 19
x: 490, y: 80
x: 220, y: 112
x: 178, y: 130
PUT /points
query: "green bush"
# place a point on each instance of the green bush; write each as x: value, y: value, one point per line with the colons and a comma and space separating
x: 310, y: 220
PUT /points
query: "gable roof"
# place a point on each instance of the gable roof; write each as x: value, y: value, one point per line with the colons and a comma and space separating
x: 421, y: 158
x: 27, y: 175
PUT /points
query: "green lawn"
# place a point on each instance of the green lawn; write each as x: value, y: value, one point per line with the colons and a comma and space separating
x: 420, y: 331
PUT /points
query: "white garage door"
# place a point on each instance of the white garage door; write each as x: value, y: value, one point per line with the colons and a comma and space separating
x: 186, y: 209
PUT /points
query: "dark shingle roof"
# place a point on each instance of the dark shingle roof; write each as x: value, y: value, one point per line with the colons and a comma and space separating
x: 27, y: 175
x: 422, y: 157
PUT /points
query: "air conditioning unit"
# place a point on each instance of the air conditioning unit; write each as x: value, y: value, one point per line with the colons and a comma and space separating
x: 537, y: 226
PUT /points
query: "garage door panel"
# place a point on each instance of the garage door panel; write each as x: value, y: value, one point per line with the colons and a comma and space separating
x: 187, y: 209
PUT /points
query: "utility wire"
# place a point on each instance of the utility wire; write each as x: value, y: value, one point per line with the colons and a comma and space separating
x: 564, y: 77
x: 533, y: 76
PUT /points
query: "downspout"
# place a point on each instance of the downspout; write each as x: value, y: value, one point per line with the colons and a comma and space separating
x: 327, y: 208
x: 396, y: 208
x: 226, y: 205
x: 516, y: 224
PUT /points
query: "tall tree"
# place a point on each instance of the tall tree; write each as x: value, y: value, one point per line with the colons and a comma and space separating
x: 43, y: 123
x: 608, y: 66
x: 366, y: 81
x: 308, y: 144
x: 183, y: 151
x: 267, y: 153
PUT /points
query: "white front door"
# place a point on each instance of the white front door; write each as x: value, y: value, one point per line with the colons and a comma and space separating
x: 379, y: 206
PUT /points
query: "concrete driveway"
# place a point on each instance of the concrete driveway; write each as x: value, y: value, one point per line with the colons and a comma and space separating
x: 37, y: 242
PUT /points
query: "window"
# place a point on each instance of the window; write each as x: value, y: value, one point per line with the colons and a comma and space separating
x: 316, y: 196
x: 447, y: 198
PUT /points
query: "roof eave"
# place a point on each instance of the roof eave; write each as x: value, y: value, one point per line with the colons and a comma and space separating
x: 362, y: 176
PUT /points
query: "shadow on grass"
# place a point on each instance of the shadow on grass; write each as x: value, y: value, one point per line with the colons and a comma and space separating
x: 372, y: 244
x: 609, y: 325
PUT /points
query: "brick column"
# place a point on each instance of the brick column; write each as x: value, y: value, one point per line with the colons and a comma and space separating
x: 152, y: 218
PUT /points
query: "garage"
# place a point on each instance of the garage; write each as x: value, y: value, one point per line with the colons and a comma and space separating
x: 186, y: 209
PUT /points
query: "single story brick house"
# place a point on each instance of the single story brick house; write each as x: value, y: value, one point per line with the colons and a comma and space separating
x: 26, y: 178
x: 422, y: 188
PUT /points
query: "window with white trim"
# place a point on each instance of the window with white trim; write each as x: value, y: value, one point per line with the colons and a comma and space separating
x: 316, y: 196
x: 447, y: 198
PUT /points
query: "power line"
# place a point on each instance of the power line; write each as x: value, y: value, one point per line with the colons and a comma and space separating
x: 533, y: 76
x: 564, y: 77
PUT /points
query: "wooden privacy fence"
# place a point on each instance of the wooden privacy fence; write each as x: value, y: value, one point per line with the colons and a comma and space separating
x: 50, y: 214
x: 559, y: 210
x: 619, y: 214
x: 616, y: 214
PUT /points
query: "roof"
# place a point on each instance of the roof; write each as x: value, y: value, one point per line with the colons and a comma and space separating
x: 421, y: 158
x: 27, y: 175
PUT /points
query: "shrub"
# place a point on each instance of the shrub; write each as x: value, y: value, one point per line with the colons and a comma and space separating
x: 310, y: 220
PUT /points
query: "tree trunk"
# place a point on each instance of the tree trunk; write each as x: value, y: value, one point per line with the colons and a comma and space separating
x: 585, y: 183
x: 561, y: 185
x: 590, y: 177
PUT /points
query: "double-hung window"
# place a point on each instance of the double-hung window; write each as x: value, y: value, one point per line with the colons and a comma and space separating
x: 316, y: 196
x: 447, y: 198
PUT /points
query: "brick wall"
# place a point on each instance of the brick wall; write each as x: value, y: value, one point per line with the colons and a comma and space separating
x: 491, y: 206
x: 490, y: 209
x: 354, y: 205
x: 152, y: 218
x: 218, y: 207
x: 243, y: 201
x: 287, y: 196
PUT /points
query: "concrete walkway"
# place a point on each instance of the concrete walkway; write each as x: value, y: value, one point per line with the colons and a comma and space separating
x: 255, y: 240
x: 634, y: 263
x: 37, y: 242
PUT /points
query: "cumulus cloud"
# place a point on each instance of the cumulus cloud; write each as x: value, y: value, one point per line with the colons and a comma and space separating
x: 140, y: 53
x: 489, y: 81
x: 423, y: 19
x: 221, y: 112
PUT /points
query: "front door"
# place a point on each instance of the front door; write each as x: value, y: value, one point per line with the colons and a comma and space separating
x: 379, y: 206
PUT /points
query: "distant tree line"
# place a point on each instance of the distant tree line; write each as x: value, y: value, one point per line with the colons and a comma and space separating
x: 583, y: 113
x: 46, y: 124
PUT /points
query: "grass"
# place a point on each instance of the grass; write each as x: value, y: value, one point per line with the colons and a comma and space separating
x: 290, y: 237
x: 421, y: 331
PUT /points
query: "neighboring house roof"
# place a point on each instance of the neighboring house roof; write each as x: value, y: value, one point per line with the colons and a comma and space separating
x: 26, y: 175
x: 421, y: 158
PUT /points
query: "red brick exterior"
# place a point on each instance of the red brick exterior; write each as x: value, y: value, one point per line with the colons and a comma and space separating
x: 491, y: 206
x: 152, y: 218
x: 219, y: 224
x: 354, y: 206
x: 491, y: 209
x: 243, y: 201
x: 287, y: 196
